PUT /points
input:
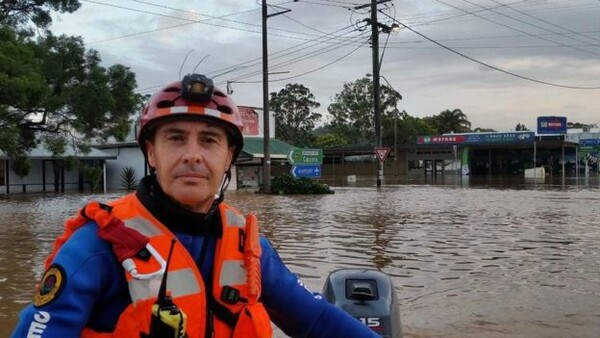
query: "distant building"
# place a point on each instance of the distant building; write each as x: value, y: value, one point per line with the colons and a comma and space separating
x: 48, y: 174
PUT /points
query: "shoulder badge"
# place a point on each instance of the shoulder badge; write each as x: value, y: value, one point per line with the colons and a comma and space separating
x: 50, y: 287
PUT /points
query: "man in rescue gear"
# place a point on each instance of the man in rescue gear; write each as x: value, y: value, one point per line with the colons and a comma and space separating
x: 103, y: 276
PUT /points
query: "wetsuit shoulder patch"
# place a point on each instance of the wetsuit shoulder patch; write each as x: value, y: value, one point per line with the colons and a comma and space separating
x: 51, y: 285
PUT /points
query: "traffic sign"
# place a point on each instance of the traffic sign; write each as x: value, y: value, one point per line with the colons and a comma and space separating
x: 382, y: 153
x: 309, y: 171
x: 305, y: 156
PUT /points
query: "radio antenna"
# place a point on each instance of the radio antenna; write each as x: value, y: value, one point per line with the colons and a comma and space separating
x: 183, y: 62
x: 162, y: 292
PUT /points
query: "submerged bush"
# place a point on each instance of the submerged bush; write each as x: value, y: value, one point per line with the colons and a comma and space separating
x: 286, y: 184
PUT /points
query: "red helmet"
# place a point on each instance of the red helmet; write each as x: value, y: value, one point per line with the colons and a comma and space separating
x: 194, y: 97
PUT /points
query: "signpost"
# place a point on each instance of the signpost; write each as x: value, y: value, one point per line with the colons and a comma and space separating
x: 305, y: 162
x: 309, y: 171
x: 298, y: 156
x: 382, y: 153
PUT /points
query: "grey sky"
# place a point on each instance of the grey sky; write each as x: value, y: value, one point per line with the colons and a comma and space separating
x: 552, y: 41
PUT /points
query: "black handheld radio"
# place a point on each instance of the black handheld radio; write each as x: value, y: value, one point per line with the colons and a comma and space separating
x: 168, y: 321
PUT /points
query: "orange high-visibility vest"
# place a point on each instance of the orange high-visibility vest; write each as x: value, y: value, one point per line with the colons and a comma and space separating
x: 236, y: 284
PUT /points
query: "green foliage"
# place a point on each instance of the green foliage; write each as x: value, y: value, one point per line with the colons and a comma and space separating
x: 450, y: 121
x: 18, y: 13
x: 69, y: 162
x: 20, y: 164
x: 294, y: 115
x: 329, y: 140
x: 129, y: 180
x: 93, y: 175
x: 56, y: 145
x: 286, y: 184
x: 486, y: 130
x: 352, y: 110
x: 53, y: 89
x: 521, y: 127
x: 7, y: 137
x: 406, y: 127
x: 580, y: 125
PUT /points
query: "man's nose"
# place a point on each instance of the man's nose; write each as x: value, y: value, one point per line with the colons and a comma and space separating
x: 193, y: 153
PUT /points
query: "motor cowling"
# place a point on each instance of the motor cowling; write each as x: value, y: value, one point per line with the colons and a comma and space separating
x: 369, y: 296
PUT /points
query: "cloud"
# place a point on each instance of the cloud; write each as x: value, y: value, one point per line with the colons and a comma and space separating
x: 554, y: 41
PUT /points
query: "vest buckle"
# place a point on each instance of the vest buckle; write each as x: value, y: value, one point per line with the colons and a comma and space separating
x: 230, y: 295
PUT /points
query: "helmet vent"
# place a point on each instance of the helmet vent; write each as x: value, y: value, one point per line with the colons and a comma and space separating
x: 165, y: 104
x: 171, y: 89
x: 224, y: 109
x: 219, y: 93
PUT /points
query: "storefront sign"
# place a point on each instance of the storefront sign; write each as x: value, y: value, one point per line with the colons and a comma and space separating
x: 551, y: 125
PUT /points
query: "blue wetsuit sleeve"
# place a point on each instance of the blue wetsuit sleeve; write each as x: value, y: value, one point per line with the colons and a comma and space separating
x: 299, y: 312
x: 79, y: 276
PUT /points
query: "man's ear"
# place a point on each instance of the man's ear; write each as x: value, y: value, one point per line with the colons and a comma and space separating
x: 230, y: 157
x: 150, y: 154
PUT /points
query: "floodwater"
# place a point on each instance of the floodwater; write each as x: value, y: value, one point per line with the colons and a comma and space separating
x: 495, y: 258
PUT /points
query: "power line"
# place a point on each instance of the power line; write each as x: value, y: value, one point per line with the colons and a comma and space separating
x: 487, y: 37
x: 277, y: 55
x: 549, y: 22
x: 490, y: 66
x: 286, y: 51
x: 298, y: 59
x: 323, y: 4
x: 513, y: 28
x: 206, y: 23
x: 527, y: 23
x: 316, y: 69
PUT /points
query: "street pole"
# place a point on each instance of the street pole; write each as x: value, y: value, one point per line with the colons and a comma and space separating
x: 266, y: 130
x: 376, y: 103
x: 396, y: 112
x: 266, y: 113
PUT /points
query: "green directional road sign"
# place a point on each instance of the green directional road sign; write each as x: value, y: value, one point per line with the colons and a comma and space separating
x: 300, y: 156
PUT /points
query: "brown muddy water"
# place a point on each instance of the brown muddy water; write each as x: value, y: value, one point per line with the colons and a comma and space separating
x: 468, y: 259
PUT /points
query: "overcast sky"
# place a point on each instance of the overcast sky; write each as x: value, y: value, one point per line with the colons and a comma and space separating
x: 454, y: 53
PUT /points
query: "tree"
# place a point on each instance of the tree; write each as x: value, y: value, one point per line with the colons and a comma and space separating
x: 521, y: 127
x: 352, y: 110
x: 580, y: 125
x: 407, y: 129
x: 294, y: 113
x: 52, y: 91
x: 329, y: 140
x: 484, y: 130
x: 18, y: 13
x: 450, y: 121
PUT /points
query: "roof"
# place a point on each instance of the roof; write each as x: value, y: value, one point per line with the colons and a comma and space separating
x: 116, y: 145
x: 40, y: 153
x: 254, y: 146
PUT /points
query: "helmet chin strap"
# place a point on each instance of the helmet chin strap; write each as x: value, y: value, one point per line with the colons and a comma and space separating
x: 219, y: 198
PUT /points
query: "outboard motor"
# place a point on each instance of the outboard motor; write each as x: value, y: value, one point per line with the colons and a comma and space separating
x: 369, y: 296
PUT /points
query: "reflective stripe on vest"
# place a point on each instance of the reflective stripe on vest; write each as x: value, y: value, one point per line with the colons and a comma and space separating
x: 179, y: 283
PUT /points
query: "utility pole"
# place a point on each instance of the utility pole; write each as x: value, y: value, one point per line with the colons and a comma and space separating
x: 266, y: 111
x: 376, y: 101
x: 375, y: 25
x: 266, y: 130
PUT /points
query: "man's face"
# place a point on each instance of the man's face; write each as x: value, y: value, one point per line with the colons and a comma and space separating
x: 190, y: 158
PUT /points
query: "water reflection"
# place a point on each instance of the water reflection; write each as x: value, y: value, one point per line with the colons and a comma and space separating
x: 493, y: 258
